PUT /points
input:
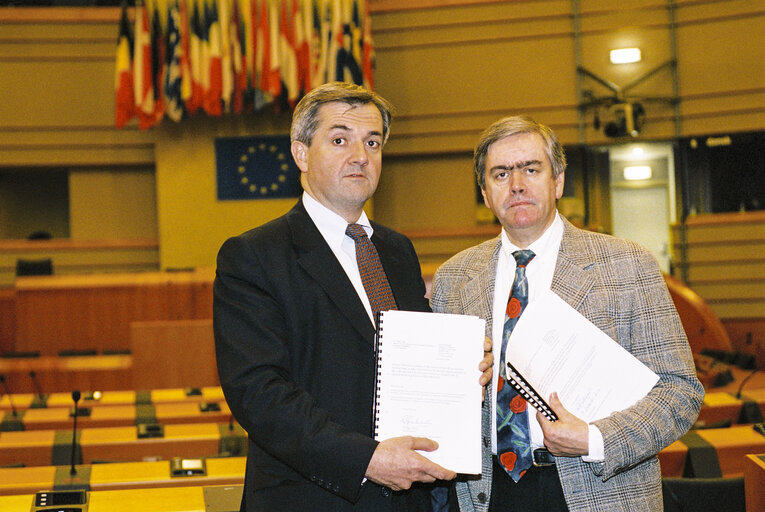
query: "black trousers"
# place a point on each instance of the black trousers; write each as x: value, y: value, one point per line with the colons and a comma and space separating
x: 538, y: 490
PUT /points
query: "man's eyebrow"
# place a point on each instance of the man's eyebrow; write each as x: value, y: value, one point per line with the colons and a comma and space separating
x: 345, y: 128
x: 517, y: 165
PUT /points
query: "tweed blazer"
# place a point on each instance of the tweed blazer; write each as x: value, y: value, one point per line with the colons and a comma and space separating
x: 619, y: 287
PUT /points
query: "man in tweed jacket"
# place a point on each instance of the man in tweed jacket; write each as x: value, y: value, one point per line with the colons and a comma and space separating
x: 610, y: 464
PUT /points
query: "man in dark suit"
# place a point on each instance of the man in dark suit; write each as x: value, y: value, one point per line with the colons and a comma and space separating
x: 294, y: 326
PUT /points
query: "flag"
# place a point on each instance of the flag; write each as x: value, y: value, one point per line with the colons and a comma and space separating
x: 335, y: 39
x: 196, y: 42
x: 124, y: 98
x: 320, y: 42
x: 304, y: 43
x: 172, y: 82
x: 214, y: 71
x: 255, y: 168
x: 157, y: 66
x: 368, y: 51
x: 237, y: 34
x: 142, y: 70
x: 184, y: 59
x: 273, y: 83
x: 347, y: 68
x: 226, y: 57
x: 264, y: 90
x: 287, y: 56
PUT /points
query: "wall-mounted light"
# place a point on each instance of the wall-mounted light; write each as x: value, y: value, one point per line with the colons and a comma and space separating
x: 637, y: 172
x: 625, y: 55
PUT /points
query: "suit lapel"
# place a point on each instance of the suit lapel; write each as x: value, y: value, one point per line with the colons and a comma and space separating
x: 318, y: 260
x: 477, y: 295
x: 572, y: 280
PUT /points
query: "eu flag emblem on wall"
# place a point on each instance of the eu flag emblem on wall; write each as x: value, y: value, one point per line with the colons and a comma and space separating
x: 256, y: 168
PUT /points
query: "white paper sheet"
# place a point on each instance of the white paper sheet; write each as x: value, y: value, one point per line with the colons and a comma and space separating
x: 555, y: 348
x: 428, y: 384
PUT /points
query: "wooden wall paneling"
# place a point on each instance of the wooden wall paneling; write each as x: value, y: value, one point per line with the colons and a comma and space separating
x: 173, y: 354
x: 7, y: 320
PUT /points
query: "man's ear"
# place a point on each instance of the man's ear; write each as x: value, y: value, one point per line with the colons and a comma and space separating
x: 559, y: 180
x: 300, y: 154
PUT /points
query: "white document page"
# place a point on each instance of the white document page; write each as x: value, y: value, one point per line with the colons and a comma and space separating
x: 428, y: 384
x: 558, y: 350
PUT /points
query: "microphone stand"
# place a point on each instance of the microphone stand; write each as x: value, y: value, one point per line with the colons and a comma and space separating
x: 76, y: 398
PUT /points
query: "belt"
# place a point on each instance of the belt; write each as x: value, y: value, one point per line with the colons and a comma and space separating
x: 542, y: 458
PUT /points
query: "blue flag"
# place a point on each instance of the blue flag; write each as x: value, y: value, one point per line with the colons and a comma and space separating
x: 256, y: 168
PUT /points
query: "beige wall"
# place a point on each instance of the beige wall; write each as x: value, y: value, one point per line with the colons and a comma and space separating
x: 112, y: 203
x: 449, y: 70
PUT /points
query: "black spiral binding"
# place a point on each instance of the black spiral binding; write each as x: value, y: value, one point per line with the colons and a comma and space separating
x: 378, y: 373
x: 525, y: 389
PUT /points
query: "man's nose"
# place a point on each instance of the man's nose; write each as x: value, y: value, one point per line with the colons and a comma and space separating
x: 359, y: 153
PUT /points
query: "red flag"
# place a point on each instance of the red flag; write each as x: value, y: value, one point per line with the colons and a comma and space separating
x: 124, y: 98
x: 269, y: 29
x: 304, y: 40
x: 212, y: 99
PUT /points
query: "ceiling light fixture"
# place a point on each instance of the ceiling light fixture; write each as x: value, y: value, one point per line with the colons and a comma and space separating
x: 625, y: 55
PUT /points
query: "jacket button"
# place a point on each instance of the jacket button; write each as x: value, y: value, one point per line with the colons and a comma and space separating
x: 482, y: 497
x: 386, y: 492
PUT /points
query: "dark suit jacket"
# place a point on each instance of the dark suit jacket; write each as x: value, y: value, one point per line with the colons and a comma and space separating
x: 296, y: 361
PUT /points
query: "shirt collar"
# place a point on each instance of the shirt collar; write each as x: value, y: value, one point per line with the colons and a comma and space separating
x: 542, y: 245
x: 331, y: 225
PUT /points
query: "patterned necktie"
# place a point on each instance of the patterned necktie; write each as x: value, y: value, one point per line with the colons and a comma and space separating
x: 372, y: 273
x: 513, y: 438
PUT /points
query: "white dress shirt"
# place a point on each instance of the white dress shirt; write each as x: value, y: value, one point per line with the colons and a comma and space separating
x: 332, y: 227
x: 539, y: 274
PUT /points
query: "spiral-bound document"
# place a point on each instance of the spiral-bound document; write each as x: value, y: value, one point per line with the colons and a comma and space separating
x: 556, y: 349
x: 427, y: 384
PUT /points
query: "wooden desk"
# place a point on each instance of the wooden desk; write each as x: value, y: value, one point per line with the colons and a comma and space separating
x: 120, y: 475
x: 754, y: 482
x: 721, y: 406
x: 26, y: 480
x: 122, y: 415
x: 731, y: 445
x: 163, y: 499
x: 120, y: 444
x: 22, y: 401
x: 56, y: 373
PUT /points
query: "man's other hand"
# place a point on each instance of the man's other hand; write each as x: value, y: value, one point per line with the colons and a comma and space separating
x: 397, y: 465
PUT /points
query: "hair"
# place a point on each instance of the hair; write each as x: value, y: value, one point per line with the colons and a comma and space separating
x: 515, y: 125
x: 305, y: 118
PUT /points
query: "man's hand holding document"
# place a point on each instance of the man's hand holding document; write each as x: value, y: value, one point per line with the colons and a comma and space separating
x: 556, y: 349
x: 427, y: 384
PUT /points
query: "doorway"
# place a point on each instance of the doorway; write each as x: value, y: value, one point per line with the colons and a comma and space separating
x: 642, y: 188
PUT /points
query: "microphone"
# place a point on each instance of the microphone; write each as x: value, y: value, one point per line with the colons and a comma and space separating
x: 741, y: 386
x: 7, y: 392
x: 76, y: 398
x: 40, y: 401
